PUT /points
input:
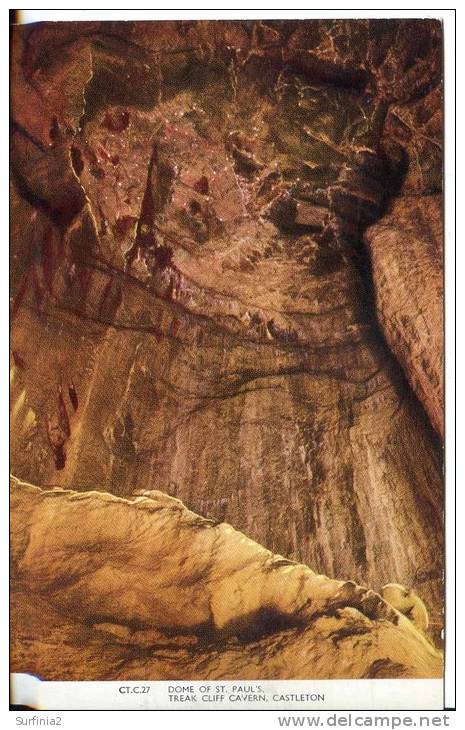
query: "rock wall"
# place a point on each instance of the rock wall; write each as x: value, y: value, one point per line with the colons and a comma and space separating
x: 406, y: 253
x: 192, y: 301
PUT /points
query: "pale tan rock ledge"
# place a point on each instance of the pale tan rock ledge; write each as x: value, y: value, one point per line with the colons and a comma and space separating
x: 106, y: 587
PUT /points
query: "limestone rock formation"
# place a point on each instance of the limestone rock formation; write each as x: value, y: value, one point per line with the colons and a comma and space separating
x: 211, y: 224
x: 406, y: 254
x: 407, y: 602
x: 146, y: 588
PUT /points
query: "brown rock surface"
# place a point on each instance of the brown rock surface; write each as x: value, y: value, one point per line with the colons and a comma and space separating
x: 406, y: 254
x: 145, y: 588
x: 191, y: 296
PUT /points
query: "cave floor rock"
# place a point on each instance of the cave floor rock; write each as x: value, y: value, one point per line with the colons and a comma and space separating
x: 143, y: 588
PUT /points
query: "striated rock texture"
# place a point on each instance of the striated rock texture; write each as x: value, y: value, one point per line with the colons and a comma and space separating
x: 184, y: 597
x: 406, y: 254
x: 194, y: 308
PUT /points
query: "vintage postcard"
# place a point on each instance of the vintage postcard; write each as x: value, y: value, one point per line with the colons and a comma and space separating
x: 227, y: 364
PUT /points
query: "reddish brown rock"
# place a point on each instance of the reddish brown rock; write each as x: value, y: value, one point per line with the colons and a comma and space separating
x: 406, y: 254
x: 189, y: 253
